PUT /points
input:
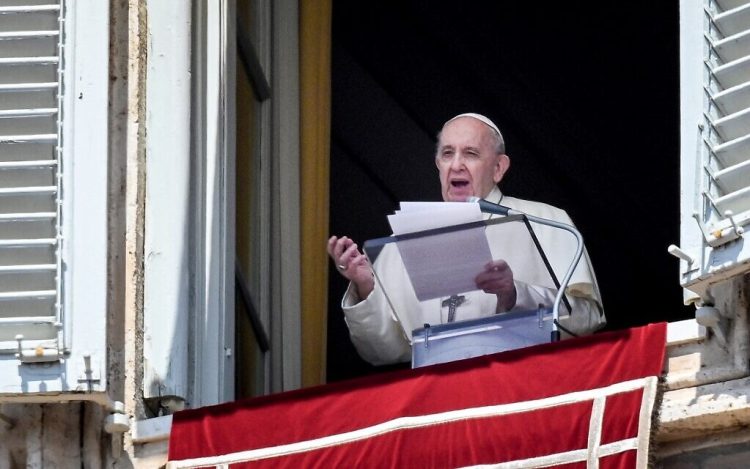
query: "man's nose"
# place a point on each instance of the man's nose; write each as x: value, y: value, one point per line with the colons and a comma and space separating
x: 457, y: 163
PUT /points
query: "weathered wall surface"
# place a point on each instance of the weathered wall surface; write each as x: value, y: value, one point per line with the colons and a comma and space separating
x: 36, y: 436
x: 705, y: 414
x: 728, y: 456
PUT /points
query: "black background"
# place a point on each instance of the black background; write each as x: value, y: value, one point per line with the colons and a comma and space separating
x: 586, y: 95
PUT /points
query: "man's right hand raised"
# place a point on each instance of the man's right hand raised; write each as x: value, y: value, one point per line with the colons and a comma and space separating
x: 352, y: 264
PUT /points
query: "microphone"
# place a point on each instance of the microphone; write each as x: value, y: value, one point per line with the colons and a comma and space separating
x: 495, y: 209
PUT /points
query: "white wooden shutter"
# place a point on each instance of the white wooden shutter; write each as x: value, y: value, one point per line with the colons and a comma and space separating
x: 30, y: 261
x: 727, y: 130
x: 53, y: 160
x: 715, y: 140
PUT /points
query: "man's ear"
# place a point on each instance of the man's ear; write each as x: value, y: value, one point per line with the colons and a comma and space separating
x: 501, y: 167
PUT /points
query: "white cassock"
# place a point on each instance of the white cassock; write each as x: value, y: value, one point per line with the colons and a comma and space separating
x: 380, y: 326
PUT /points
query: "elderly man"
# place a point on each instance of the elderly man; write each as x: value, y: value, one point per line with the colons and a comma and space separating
x: 471, y: 161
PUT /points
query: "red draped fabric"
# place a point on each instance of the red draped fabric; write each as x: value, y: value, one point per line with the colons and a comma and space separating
x: 564, y: 404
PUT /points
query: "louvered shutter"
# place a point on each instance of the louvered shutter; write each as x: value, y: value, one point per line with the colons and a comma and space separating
x: 30, y: 261
x: 715, y: 142
x: 53, y: 154
x: 727, y: 128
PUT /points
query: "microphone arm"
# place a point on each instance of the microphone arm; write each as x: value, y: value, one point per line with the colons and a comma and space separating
x: 497, y: 209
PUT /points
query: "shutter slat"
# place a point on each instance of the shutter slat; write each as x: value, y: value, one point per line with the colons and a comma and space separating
x: 27, y: 295
x: 734, y: 20
x: 20, y: 113
x: 27, y: 320
x: 37, y: 138
x: 53, y: 60
x: 726, y: 5
x: 8, y: 165
x: 733, y: 99
x: 38, y: 190
x: 734, y: 177
x: 11, y: 10
x: 5, y: 217
x: 35, y: 334
x: 737, y: 202
x: 734, y: 125
x: 15, y: 35
x: 19, y: 269
x: 733, y: 47
x: 733, y: 73
x: 733, y: 152
x: 19, y: 87
x: 27, y: 242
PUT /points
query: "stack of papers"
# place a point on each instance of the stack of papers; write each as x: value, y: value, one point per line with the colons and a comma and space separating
x: 420, y: 216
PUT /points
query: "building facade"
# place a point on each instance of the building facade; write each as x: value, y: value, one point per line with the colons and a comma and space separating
x: 151, y: 255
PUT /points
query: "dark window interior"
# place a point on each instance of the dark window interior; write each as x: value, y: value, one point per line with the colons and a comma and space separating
x: 586, y: 94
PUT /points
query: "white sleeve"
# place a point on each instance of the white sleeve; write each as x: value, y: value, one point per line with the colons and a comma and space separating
x: 374, y: 330
x: 587, y: 315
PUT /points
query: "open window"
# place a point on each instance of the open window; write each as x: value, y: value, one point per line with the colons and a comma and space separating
x: 221, y: 303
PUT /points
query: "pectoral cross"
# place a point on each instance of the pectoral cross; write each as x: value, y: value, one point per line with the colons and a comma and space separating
x: 452, y: 303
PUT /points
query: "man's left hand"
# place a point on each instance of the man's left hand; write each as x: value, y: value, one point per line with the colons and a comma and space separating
x: 497, y: 279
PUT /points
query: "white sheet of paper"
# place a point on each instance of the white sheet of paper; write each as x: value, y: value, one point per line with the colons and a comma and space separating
x: 420, y: 216
x: 443, y: 264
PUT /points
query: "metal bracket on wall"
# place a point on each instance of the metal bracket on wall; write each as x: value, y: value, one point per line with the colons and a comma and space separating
x: 38, y: 353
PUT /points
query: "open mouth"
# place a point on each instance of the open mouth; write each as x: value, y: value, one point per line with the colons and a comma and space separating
x: 459, y: 184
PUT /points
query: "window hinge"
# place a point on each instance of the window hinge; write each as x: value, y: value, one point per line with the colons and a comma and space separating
x: 38, y: 353
x: 717, y: 237
x: 89, y: 375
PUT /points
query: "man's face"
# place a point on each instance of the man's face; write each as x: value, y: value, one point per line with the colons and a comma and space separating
x: 466, y: 160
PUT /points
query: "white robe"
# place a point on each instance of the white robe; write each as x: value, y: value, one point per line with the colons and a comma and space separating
x: 382, y: 335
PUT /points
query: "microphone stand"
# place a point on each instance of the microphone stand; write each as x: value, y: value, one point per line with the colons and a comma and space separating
x: 568, y: 275
x: 498, y: 209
